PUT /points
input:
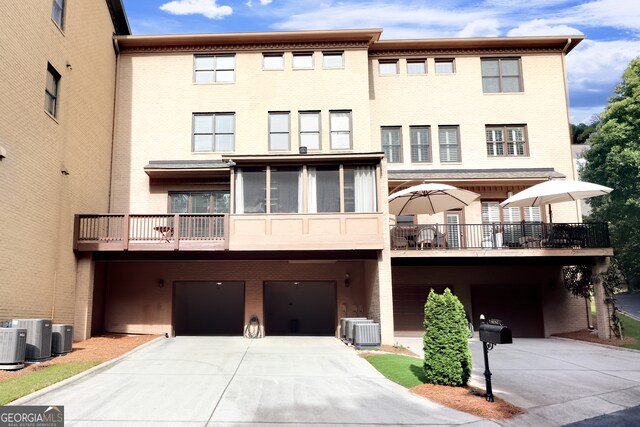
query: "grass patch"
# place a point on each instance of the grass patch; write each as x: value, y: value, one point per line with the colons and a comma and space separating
x: 15, y: 388
x: 404, y: 370
x: 631, y: 329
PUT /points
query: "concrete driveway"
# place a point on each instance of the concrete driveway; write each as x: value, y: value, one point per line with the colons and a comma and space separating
x: 557, y: 381
x: 199, y: 381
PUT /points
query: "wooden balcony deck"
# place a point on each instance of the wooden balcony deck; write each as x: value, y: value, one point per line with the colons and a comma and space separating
x: 236, y: 232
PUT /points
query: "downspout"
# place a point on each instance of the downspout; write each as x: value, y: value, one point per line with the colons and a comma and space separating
x: 587, y: 300
x: 113, y: 118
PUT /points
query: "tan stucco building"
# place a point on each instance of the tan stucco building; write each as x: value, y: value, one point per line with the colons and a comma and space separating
x: 218, y: 177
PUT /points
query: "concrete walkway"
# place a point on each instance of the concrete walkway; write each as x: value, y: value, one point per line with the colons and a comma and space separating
x: 198, y: 381
x: 557, y: 381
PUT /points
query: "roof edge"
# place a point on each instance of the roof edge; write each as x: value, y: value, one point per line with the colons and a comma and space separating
x: 119, y: 17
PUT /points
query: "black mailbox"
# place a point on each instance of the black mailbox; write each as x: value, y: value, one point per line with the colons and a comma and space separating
x: 495, y: 334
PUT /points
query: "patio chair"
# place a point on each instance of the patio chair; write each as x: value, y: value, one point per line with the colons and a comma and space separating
x: 426, y: 236
x: 400, y: 242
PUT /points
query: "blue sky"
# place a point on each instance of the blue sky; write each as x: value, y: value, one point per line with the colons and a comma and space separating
x: 611, y: 27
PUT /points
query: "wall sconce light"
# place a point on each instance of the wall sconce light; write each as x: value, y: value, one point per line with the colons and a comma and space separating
x: 297, y: 284
x: 347, y: 282
x: 161, y: 283
x: 219, y: 284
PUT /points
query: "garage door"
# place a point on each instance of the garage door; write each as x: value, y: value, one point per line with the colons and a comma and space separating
x: 518, y: 306
x: 408, y: 308
x: 209, y: 308
x: 300, y: 308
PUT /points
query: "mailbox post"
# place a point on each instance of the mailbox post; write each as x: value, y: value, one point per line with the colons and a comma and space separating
x: 491, y: 333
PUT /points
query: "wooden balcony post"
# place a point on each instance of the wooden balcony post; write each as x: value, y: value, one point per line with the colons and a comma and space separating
x: 176, y: 232
x: 125, y: 233
x: 76, y: 231
x: 226, y: 232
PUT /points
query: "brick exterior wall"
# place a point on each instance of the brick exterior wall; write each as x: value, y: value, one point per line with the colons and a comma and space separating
x: 38, y: 266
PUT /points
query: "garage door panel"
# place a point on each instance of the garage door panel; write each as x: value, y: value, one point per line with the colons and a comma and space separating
x: 408, y: 307
x: 518, y: 306
x: 209, y: 308
x: 302, y: 308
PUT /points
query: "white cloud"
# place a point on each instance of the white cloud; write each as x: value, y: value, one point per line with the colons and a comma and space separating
x: 585, y: 114
x: 206, y: 8
x: 540, y: 27
x: 481, y: 28
x: 605, y: 13
x: 411, y: 20
x: 595, y: 64
x: 265, y: 2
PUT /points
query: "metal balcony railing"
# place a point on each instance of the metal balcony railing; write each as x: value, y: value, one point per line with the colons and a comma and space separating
x: 524, y: 235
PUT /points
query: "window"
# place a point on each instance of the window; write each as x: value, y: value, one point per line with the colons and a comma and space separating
x: 57, y: 13
x: 323, y: 189
x: 279, y: 131
x: 310, y: 130
x: 333, y: 59
x: 340, y: 125
x: 273, y: 61
x: 388, y: 67
x: 501, y: 75
x: 251, y: 190
x: 216, y: 201
x: 360, y: 189
x: 302, y: 60
x: 327, y: 189
x: 286, y: 190
x: 420, y: 145
x: 391, y: 144
x: 214, y: 68
x: 449, y: 144
x: 213, y: 132
x: 445, y: 66
x: 515, y: 139
x: 198, y: 202
x: 416, y: 66
x: 51, y: 91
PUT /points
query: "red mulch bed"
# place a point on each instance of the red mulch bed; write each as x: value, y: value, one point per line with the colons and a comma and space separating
x: 468, y: 399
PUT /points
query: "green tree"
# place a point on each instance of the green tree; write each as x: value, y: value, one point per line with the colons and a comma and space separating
x: 580, y: 133
x: 447, y: 359
x: 614, y: 161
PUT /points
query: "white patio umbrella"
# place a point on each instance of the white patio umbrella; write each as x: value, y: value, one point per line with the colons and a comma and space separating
x: 555, y: 191
x: 429, y: 199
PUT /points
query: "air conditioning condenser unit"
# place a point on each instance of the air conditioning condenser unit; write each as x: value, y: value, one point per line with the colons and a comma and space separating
x: 366, y: 335
x: 13, y: 345
x: 38, y: 338
x: 61, y: 339
x: 343, y: 325
x: 350, y: 327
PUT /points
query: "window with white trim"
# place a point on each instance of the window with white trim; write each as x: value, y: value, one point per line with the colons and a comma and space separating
x: 391, y: 143
x: 214, y: 68
x: 416, y: 66
x: 213, y: 132
x: 302, y: 60
x: 420, y: 144
x: 449, y: 143
x: 513, y: 136
x: 501, y: 75
x: 279, y: 128
x: 388, y: 67
x: 310, y: 129
x: 333, y: 59
x: 273, y: 61
x: 340, y: 128
x: 445, y: 66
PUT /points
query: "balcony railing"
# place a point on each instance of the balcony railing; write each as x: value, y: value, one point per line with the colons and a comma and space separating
x: 524, y: 235
x: 150, y: 232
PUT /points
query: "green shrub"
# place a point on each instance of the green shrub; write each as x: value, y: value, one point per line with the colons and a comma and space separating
x: 447, y: 359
